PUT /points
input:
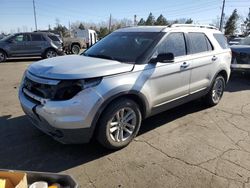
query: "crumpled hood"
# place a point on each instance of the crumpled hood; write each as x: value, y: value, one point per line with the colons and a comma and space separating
x: 77, y: 67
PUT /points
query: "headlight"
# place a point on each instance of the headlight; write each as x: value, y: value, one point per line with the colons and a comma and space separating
x: 89, y: 82
x: 68, y: 89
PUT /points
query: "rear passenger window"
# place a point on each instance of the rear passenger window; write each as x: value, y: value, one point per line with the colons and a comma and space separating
x: 221, y: 39
x: 199, y: 43
x: 174, y: 43
x: 37, y: 38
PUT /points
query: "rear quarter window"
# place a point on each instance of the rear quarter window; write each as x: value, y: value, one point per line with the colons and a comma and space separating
x: 54, y: 38
x: 221, y: 39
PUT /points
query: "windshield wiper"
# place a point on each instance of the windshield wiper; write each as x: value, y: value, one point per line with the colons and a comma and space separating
x: 101, y: 56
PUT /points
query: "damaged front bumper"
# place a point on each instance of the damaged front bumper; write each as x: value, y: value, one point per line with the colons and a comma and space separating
x: 69, y: 121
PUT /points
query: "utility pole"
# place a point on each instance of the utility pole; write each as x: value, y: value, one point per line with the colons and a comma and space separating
x: 135, y: 21
x: 222, y: 16
x: 34, y: 8
x: 110, y: 23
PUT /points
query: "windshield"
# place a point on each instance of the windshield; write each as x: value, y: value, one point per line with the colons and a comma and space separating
x: 6, y: 38
x: 123, y: 46
x: 245, y: 41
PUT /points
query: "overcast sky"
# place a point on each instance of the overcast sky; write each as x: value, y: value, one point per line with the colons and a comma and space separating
x: 19, y: 13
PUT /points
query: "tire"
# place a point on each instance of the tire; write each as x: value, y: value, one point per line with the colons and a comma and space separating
x: 216, y: 92
x: 113, y: 133
x: 2, y: 56
x: 49, y: 53
x: 75, y: 49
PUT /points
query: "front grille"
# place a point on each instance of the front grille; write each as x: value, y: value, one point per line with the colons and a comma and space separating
x: 42, y: 90
x: 64, y: 90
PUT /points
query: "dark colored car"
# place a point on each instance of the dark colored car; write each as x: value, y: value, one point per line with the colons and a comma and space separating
x: 42, y: 44
x: 241, y: 55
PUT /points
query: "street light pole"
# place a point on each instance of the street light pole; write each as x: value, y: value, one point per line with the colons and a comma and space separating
x: 34, y: 8
x: 222, y: 16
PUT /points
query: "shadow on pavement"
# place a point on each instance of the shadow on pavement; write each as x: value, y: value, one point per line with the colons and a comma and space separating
x: 25, y: 59
x: 23, y: 147
x: 238, y: 82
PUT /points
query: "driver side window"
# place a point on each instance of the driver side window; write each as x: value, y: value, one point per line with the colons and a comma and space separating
x: 19, y: 38
x: 174, y: 43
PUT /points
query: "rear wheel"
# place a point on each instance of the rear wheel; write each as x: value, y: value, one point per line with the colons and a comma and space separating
x: 216, y: 92
x: 75, y: 49
x: 2, y: 56
x: 50, y: 53
x: 119, y: 124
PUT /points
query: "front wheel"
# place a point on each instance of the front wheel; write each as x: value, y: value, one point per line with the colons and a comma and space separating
x: 75, y: 49
x: 2, y: 56
x: 216, y: 92
x: 119, y: 124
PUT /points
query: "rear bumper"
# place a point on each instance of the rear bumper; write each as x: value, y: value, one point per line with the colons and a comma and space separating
x: 240, y: 67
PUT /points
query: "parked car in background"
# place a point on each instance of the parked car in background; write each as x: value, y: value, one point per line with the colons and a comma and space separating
x: 127, y: 76
x: 88, y: 35
x: 72, y: 45
x: 42, y: 44
x: 235, y: 41
x: 241, y: 55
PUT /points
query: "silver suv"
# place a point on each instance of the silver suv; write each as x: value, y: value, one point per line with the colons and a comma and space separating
x: 128, y: 76
x: 42, y: 44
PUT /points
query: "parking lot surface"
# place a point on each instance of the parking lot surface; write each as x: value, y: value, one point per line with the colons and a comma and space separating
x: 189, y: 146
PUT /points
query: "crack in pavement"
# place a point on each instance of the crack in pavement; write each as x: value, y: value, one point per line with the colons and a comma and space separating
x: 195, y: 165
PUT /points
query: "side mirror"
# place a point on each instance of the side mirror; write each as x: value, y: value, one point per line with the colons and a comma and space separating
x: 164, y: 58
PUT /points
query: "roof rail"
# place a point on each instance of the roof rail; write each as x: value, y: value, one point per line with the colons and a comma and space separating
x: 195, y: 25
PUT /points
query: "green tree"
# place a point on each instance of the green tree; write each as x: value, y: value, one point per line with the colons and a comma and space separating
x: 141, y: 22
x: 231, y: 24
x: 150, y: 20
x: 103, y: 32
x: 189, y: 21
x: 161, y: 20
x: 61, y: 30
x: 247, y: 23
x: 81, y: 26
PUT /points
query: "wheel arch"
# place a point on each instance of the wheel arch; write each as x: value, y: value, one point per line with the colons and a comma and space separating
x: 75, y: 43
x: 7, y: 55
x: 137, y: 97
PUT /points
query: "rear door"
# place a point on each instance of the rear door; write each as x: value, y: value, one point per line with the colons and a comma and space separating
x: 37, y: 44
x: 202, y: 61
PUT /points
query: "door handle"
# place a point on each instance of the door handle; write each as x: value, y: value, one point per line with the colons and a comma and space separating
x: 185, y: 65
x: 214, y: 58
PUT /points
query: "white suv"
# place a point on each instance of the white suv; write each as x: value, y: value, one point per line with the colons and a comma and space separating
x: 128, y: 76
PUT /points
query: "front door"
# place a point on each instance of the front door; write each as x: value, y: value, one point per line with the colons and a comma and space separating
x: 18, y: 45
x: 170, y: 81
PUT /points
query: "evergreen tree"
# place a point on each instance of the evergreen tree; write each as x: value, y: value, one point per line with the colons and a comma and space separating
x: 161, y: 20
x: 247, y: 23
x: 231, y: 24
x: 150, y: 20
x: 141, y: 22
x: 189, y: 21
x: 81, y: 26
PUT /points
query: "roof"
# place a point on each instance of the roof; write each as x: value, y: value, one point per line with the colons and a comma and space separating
x: 183, y: 27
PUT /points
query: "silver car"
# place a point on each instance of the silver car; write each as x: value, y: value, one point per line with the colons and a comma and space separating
x: 126, y: 77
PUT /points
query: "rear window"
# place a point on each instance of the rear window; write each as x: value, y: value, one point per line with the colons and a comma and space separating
x: 199, y: 43
x: 221, y: 39
x: 54, y: 38
x: 36, y: 37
